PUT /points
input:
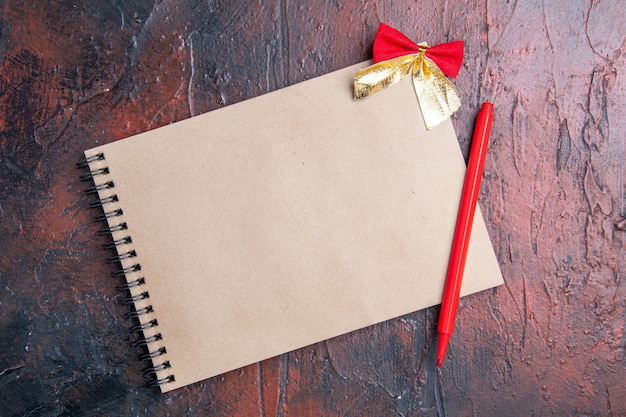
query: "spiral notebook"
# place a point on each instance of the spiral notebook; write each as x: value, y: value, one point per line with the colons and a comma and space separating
x: 282, y: 221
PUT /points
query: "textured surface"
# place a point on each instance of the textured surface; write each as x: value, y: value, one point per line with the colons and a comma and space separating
x: 549, y: 342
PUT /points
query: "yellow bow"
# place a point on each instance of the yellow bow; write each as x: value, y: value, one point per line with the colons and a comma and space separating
x: 436, y: 95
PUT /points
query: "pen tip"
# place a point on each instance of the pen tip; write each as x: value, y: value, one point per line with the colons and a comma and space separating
x: 439, y: 363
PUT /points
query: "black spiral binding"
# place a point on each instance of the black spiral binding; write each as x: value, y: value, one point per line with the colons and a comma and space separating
x: 125, y: 253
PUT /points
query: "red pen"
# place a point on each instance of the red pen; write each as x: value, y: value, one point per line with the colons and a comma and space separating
x: 460, y: 243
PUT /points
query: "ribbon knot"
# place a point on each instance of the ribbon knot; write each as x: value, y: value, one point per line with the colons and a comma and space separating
x: 397, y: 56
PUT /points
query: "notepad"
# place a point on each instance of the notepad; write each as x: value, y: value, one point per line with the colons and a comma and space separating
x: 282, y: 221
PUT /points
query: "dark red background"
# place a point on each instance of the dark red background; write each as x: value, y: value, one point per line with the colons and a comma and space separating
x: 549, y: 342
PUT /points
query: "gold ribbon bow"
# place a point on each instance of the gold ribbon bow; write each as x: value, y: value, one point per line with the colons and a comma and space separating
x: 436, y: 95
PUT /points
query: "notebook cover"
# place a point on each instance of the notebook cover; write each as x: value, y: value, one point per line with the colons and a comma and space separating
x: 286, y: 220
